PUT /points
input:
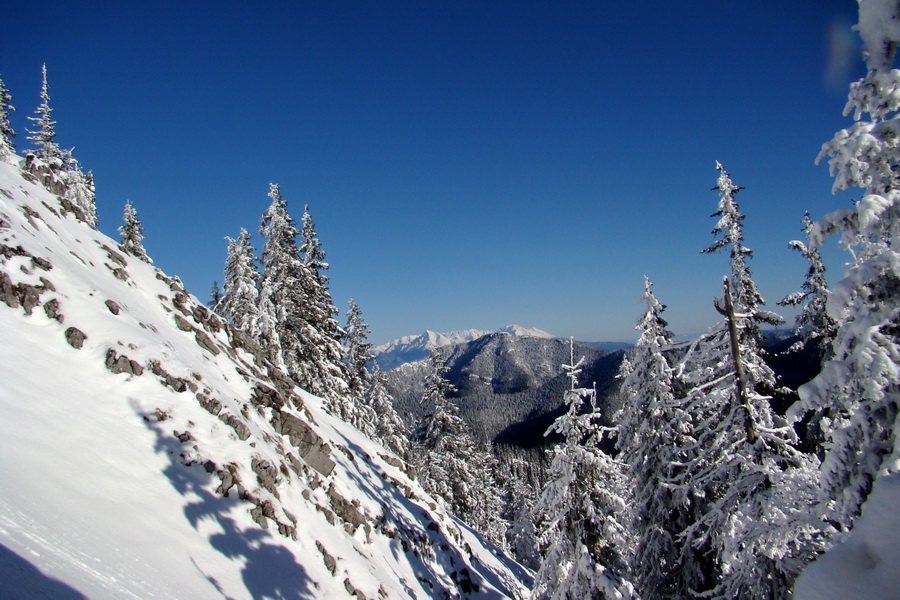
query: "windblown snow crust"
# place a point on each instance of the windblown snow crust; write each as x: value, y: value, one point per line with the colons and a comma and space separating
x: 148, y: 450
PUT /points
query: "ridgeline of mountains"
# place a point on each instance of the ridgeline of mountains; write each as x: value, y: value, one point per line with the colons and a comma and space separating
x: 509, y: 382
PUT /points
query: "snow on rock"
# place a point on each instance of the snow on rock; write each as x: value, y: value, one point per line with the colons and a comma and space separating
x: 148, y: 450
x: 866, y: 564
x: 414, y: 347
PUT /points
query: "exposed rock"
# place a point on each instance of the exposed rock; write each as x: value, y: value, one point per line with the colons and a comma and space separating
x: 41, y: 263
x: 312, y: 448
x: 114, y: 256
x: 263, y: 395
x: 47, y: 284
x: 8, y: 291
x: 241, y: 429
x: 29, y: 296
x: 346, y: 510
x: 184, y: 436
x: 353, y: 591
x: 122, y: 364
x: 176, y: 383
x: 266, y: 474
x: 182, y: 323
x: 330, y: 562
x: 206, y: 342
x: 113, y: 307
x: 210, y: 404
x: 51, y: 308
x: 76, y: 337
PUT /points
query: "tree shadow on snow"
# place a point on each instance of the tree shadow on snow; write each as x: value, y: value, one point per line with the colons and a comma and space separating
x: 270, y: 570
x: 22, y: 580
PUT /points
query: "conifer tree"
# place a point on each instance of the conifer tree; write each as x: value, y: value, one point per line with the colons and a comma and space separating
x: 79, y: 189
x: 582, y: 513
x: 132, y: 233
x: 319, y: 360
x: 389, y: 428
x: 357, y: 350
x: 280, y: 291
x: 452, y: 467
x: 813, y: 324
x: 740, y: 466
x: 652, y: 426
x: 44, y: 134
x: 7, y: 147
x: 215, y: 295
x: 240, y: 289
x: 296, y: 313
x: 855, y: 399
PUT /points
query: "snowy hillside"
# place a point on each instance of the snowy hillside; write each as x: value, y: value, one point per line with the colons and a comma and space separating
x: 147, y: 450
x: 413, y: 347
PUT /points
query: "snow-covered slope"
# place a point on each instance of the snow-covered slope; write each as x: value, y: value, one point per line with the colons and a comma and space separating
x: 413, y: 347
x: 866, y: 564
x: 147, y: 450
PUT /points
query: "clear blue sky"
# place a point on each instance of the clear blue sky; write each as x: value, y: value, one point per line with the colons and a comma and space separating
x: 467, y: 164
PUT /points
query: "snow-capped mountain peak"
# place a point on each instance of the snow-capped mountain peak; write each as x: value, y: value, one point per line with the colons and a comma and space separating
x: 413, y: 347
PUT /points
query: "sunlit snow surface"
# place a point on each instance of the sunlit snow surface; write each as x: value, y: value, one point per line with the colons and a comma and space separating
x: 95, y: 498
x: 867, y: 564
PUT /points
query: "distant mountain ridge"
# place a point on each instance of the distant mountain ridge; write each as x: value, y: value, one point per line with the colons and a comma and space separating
x: 414, y: 347
x: 505, y: 380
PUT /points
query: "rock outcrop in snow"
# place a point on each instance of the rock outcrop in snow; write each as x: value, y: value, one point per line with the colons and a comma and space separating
x: 149, y: 450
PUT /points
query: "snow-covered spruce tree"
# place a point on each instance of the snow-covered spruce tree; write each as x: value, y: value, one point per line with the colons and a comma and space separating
x: 389, y: 428
x: 357, y: 349
x: 521, y: 498
x: 215, y: 295
x: 79, y: 195
x: 239, y: 302
x: 856, y: 396
x: 7, y: 133
x: 814, y: 325
x: 356, y: 353
x: 292, y: 304
x: 319, y: 362
x: 450, y: 463
x: 582, y: 513
x: 132, y: 233
x: 44, y: 134
x: 280, y: 289
x: 752, y: 486
x: 651, y: 428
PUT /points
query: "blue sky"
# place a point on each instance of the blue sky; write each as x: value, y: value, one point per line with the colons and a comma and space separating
x: 467, y: 164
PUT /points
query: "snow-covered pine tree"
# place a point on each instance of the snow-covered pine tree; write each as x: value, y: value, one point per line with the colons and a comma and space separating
x: 856, y: 396
x: 44, y: 134
x: 132, y: 233
x: 651, y: 428
x: 280, y: 289
x: 814, y: 325
x: 451, y: 465
x: 389, y: 428
x: 582, y: 512
x: 7, y: 133
x: 296, y: 313
x: 239, y: 301
x: 215, y: 295
x: 357, y: 349
x: 79, y: 192
x: 319, y: 360
x: 520, y: 500
x: 753, y: 488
